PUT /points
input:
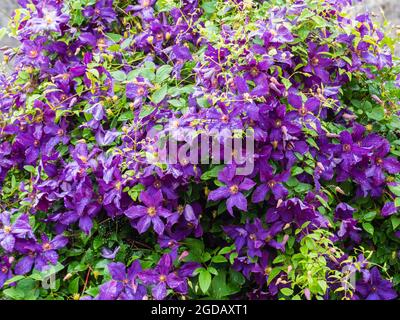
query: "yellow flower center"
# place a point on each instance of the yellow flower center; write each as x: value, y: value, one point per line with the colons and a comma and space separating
x: 46, y: 246
x: 33, y: 54
x: 346, y: 147
x: 271, y: 183
x: 7, y: 229
x: 152, y: 211
x: 234, y: 189
x: 267, y: 271
x: 303, y: 111
x: 254, y: 71
x: 159, y: 36
x: 83, y: 158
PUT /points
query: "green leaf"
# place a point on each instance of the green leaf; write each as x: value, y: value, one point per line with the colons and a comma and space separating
x: 148, y: 71
x: 212, y: 173
x: 94, y: 72
x: 286, y: 82
x: 30, y: 169
x: 134, y: 192
x: 166, y: 5
x: 312, y: 143
x: 145, y: 111
x: 219, y: 259
x: 395, y: 221
x: 321, y: 22
x: 163, y: 73
x: 14, y: 279
x: 232, y: 257
x: 237, y: 277
x: 209, y: 7
x: 212, y: 270
x: 395, y: 189
x: 204, y: 280
x: 118, y: 75
x: 377, y: 114
x: 287, y: 291
x: 159, y: 94
x: 347, y: 59
x: 127, y: 115
x: 97, y: 243
x: 305, y: 14
x: 114, y: 37
x: 368, y: 227
x: 14, y: 293
x: 322, y: 285
x: 272, y: 275
x: 369, y: 216
x: 226, y: 250
x: 73, y: 286
x: 3, y: 32
x: 296, y: 171
x: 203, y: 102
x: 309, y: 243
x: 279, y: 259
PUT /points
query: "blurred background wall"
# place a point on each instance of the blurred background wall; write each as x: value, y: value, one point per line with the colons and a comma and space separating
x: 6, y: 8
x: 391, y: 8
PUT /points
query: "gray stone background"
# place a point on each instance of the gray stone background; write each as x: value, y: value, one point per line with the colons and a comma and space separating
x: 391, y: 9
x: 6, y: 8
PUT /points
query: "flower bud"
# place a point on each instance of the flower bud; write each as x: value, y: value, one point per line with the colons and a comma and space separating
x: 339, y: 190
x: 67, y: 277
x: 150, y: 39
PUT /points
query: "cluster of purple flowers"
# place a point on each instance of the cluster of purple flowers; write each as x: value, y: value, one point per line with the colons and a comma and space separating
x: 131, y: 284
x: 77, y: 160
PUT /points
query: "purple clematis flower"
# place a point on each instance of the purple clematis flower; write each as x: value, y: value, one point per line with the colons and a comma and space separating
x: 32, y: 141
x: 9, y: 232
x: 109, y: 254
x: 375, y: 288
x: 137, y: 90
x: 388, y: 209
x: 5, y: 269
x: 255, y: 236
x: 270, y: 182
x: 349, y: 150
x: 163, y: 276
x: 149, y: 214
x: 317, y: 63
x: 39, y: 255
x: 124, y: 284
x: 34, y: 53
x: 306, y: 112
x: 50, y: 18
x: 379, y: 158
x: 101, y: 11
x: 231, y: 192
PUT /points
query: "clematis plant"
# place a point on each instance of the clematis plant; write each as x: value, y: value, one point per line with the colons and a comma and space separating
x: 199, y: 149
